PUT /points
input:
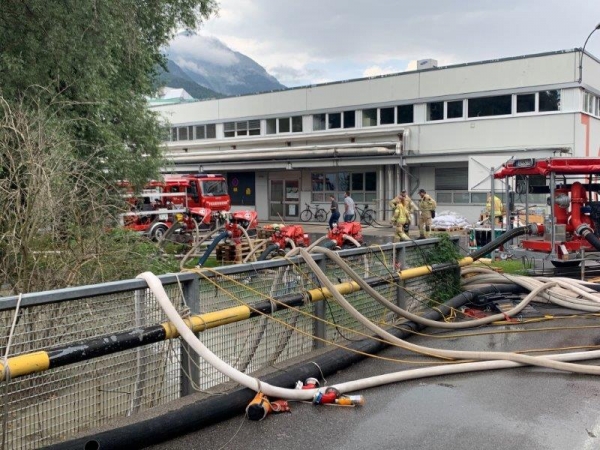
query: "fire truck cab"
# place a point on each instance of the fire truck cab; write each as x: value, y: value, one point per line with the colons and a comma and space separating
x: 192, y: 200
x: 202, y: 190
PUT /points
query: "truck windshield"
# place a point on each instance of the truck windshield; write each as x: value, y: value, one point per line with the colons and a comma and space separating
x: 217, y: 187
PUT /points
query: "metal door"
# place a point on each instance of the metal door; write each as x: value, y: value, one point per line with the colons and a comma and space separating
x: 284, y: 200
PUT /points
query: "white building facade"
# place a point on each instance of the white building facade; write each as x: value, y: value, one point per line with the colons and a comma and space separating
x: 443, y: 129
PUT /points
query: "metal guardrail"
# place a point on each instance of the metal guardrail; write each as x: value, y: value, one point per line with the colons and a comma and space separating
x: 54, y: 405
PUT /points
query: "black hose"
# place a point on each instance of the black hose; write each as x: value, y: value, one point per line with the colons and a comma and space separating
x: 267, y: 251
x: 214, y: 409
x: 329, y: 244
x: 502, y: 239
x: 589, y: 236
x: 211, y: 247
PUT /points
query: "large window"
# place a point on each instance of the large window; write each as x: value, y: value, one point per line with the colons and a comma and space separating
x: 454, y: 109
x: 243, y: 128
x: 435, y: 111
x: 549, y: 100
x: 386, y: 116
x: 369, y: 117
x: 591, y: 104
x: 405, y: 114
x: 319, y: 122
x: 284, y: 125
x: 334, y: 121
x: 206, y: 131
x: 349, y: 119
x: 362, y: 186
x: 525, y: 103
x: 490, y: 106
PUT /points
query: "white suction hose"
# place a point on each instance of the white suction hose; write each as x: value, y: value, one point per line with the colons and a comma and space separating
x: 254, y: 250
x: 155, y: 285
x: 440, y: 353
x: 414, y: 317
x: 253, y: 383
x: 347, y: 237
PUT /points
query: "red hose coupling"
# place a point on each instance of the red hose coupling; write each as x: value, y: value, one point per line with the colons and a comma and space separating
x: 310, y: 383
x: 329, y: 396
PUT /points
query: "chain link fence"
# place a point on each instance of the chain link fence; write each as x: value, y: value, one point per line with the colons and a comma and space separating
x: 56, y: 404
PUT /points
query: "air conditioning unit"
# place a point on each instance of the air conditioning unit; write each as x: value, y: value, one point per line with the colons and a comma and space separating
x: 426, y: 64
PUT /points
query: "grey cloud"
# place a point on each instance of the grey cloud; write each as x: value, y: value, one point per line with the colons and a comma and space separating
x: 405, y: 29
x: 294, y: 77
x: 203, y: 48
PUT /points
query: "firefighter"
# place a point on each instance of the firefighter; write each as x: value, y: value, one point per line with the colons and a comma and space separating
x: 410, y: 208
x: 497, y: 208
x: 408, y: 204
x: 399, y: 220
x: 427, y: 206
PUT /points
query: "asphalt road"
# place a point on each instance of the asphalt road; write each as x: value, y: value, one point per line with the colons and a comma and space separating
x: 521, y: 408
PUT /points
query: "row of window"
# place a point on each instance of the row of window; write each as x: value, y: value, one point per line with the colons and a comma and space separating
x: 452, y: 186
x: 362, y: 186
x: 591, y: 104
x: 542, y: 101
x: 499, y: 105
x: 480, y: 198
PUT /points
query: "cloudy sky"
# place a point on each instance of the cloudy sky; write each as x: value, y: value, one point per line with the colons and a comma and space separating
x: 315, y: 41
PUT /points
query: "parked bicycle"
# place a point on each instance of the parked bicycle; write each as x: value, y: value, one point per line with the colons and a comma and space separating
x: 307, y: 214
x: 365, y: 215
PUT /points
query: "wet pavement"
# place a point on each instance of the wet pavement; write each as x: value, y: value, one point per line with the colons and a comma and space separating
x: 521, y: 408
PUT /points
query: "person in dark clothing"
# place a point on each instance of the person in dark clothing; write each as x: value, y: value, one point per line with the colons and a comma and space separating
x: 335, y: 213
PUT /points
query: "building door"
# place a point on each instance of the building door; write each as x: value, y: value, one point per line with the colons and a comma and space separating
x: 241, y: 186
x: 284, y: 200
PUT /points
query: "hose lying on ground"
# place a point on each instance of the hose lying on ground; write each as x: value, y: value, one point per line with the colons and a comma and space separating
x: 196, y: 415
x: 449, y: 354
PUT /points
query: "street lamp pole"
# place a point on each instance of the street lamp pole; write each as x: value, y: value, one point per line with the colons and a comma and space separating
x: 583, y: 51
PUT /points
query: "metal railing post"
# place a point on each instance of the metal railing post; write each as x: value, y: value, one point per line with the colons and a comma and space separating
x: 401, y: 289
x: 319, y: 329
x: 190, y: 361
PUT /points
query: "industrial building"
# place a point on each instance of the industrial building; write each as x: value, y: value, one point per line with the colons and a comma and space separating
x: 443, y: 129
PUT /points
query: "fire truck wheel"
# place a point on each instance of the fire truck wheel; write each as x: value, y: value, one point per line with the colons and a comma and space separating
x: 158, y: 232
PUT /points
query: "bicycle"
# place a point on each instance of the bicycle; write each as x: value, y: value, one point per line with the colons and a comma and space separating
x: 307, y: 214
x: 365, y: 215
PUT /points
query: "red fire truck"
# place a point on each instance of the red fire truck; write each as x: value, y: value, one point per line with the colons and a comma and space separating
x: 194, y: 200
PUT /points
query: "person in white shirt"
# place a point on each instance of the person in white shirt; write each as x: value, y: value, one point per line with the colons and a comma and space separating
x: 348, y: 207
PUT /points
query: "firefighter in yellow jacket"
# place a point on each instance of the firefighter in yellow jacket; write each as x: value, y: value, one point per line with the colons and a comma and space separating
x: 427, y: 206
x: 400, y: 218
x: 410, y: 206
x: 497, y: 208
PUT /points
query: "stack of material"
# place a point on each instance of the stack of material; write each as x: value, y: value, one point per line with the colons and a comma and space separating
x: 265, y: 233
x: 449, y: 221
x: 234, y: 253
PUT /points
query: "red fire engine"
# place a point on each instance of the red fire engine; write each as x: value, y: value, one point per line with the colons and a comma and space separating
x: 192, y: 200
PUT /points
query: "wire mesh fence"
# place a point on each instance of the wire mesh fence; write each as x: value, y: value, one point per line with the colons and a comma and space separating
x: 53, y: 405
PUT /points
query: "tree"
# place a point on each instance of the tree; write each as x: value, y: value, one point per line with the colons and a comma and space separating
x: 74, y: 77
x: 101, y: 57
x: 58, y: 227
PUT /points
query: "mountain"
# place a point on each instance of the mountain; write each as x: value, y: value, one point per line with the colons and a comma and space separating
x: 209, y: 63
x: 175, y: 77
